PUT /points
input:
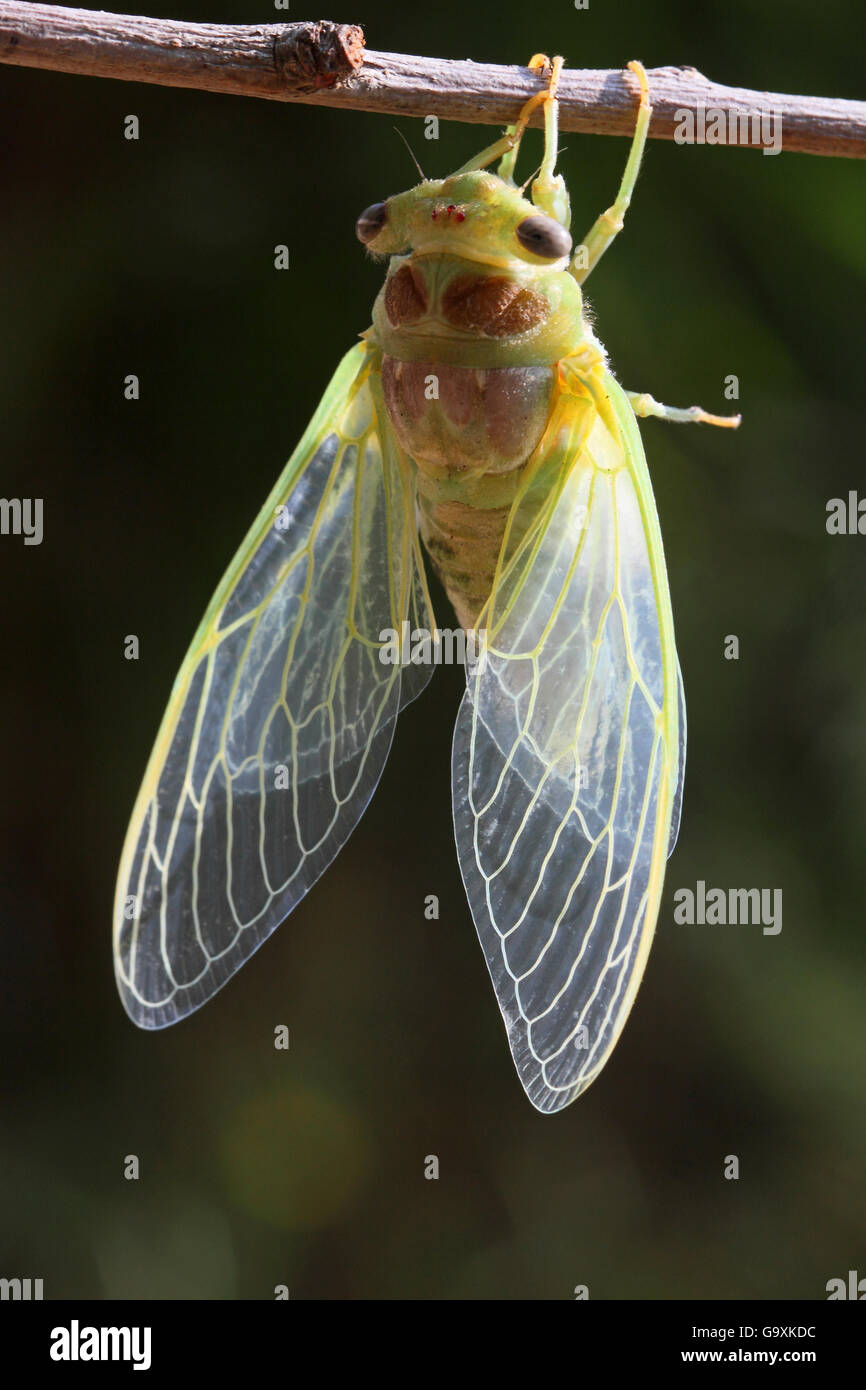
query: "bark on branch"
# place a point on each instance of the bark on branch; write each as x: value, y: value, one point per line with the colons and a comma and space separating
x: 325, y: 64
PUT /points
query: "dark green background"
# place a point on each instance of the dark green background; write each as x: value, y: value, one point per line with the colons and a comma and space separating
x: 306, y: 1168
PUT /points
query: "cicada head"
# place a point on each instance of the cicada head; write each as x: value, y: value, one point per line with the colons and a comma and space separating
x: 475, y: 216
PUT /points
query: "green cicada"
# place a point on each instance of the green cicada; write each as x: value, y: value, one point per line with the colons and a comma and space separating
x: 477, y: 416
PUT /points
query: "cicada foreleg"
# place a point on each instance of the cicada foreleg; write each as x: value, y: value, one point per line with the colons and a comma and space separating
x: 603, y: 231
x: 548, y: 190
x: 645, y: 405
x: 506, y: 148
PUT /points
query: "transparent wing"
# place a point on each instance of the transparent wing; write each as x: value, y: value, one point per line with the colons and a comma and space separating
x: 677, y: 811
x: 566, y: 750
x: 282, y: 715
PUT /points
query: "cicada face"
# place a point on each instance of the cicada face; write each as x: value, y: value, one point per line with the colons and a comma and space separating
x: 475, y: 215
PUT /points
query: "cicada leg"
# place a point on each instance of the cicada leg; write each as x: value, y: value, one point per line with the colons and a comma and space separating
x: 506, y: 147
x: 548, y: 190
x: 603, y: 231
x: 644, y: 405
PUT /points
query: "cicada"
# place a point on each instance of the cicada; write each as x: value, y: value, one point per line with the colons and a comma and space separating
x: 477, y: 419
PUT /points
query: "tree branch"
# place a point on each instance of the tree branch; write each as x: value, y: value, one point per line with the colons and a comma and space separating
x: 325, y: 64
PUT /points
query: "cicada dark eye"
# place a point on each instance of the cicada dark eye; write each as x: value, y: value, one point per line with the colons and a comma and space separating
x: 544, y: 237
x: 371, y: 222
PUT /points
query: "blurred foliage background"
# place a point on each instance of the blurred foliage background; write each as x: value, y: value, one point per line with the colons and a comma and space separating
x: 306, y: 1168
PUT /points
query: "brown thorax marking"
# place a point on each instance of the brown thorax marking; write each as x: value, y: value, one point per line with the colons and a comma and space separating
x: 405, y: 297
x: 494, y: 305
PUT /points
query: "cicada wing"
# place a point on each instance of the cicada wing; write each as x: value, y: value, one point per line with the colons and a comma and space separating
x: 677, y: 810
x: 566, y: 750
x: 282, y: 714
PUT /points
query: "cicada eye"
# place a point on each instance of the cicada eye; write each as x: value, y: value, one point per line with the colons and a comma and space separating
x: 544, y: 237
x: 371, y: 222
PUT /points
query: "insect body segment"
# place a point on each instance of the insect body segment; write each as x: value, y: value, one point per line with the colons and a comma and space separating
x: 479, y: 417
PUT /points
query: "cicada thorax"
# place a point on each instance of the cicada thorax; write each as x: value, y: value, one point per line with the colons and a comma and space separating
x: 469, y: 376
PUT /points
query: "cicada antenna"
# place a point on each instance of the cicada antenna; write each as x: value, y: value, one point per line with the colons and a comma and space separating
x: 412, y: 154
